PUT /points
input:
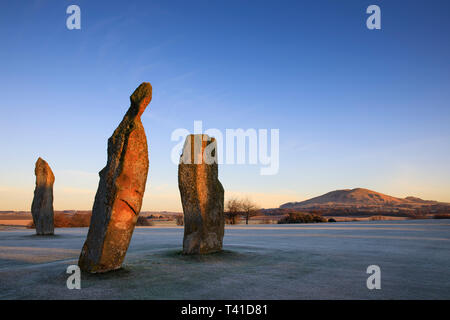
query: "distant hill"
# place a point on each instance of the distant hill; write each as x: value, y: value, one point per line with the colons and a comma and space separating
x: 360, y: 198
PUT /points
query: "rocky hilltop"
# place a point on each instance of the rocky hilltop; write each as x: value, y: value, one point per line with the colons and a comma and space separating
x: 359, y: 199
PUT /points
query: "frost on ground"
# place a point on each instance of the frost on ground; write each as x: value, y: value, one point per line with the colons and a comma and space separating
x: 314, y: 261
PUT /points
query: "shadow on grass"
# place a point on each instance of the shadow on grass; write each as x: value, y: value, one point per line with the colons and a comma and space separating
x: 123, y: 272
x: 222, y: 256
x: 47, y: 237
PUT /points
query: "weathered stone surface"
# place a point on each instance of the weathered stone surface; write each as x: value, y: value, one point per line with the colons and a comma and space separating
x: 201, y: 196
x: 42, y: 206
x: 121, y: 188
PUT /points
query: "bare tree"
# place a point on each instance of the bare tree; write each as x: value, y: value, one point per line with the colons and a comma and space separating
x: 249, y: 209
x: 233, y: 210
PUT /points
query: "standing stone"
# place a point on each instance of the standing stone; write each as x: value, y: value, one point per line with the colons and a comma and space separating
x: 201, y: 196
x: 42, y: 206
x: 121, y: 188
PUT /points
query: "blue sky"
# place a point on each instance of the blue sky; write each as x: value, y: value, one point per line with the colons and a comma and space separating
x: 355, y: 107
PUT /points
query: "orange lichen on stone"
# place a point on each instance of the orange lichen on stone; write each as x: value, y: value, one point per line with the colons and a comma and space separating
x: 121, y: 188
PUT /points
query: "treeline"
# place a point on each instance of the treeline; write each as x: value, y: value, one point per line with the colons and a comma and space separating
x: 299, y: 217
x: 367, y: 211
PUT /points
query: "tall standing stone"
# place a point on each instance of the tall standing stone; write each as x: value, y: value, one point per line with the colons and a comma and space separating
x: 202, y: 196
x: 42, y: 206
x: 121, y: 188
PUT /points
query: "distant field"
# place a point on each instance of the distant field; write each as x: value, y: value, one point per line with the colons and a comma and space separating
x: 15, y: 219
x: 373, y: 218
x: 23, y: 219
x: 16, y: 216
x: 16, y: 222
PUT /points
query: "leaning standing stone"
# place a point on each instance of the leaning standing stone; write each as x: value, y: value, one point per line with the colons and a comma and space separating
x: 121, y: 188
x: 201, y: 196
x: 42, y: 206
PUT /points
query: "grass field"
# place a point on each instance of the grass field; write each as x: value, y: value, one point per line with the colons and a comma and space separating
x: 310, y: 261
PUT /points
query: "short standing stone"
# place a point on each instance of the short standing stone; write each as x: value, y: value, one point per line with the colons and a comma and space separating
x: 42, y: 206
x: 121, y: 188
x: 202, y: 196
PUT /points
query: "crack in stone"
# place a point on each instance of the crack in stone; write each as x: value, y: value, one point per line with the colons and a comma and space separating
x: 130, y: 207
